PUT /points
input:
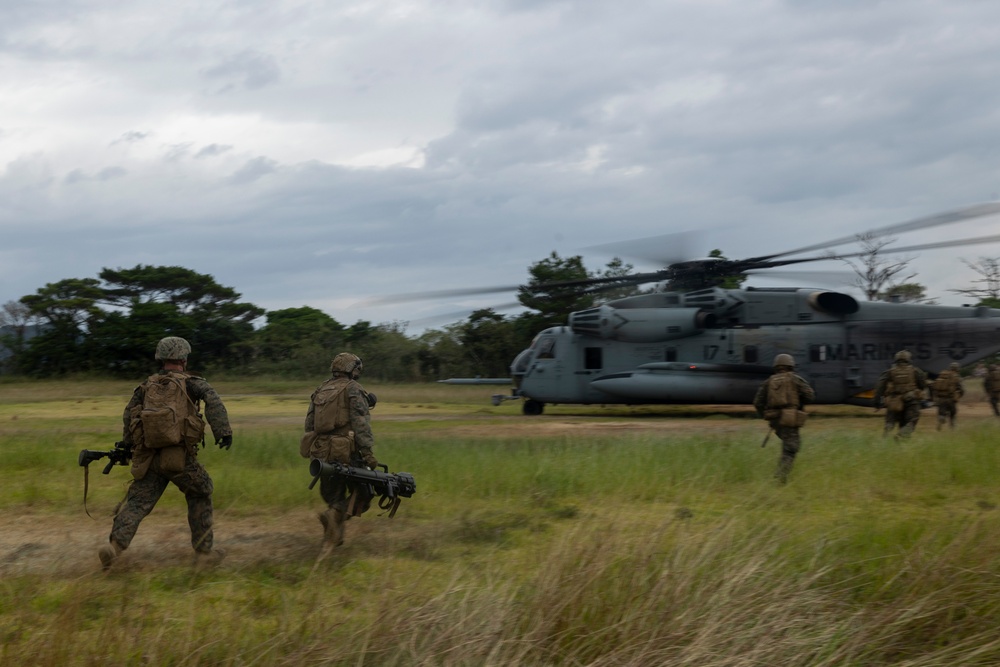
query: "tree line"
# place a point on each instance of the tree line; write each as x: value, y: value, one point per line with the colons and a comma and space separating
x: 109, y: 325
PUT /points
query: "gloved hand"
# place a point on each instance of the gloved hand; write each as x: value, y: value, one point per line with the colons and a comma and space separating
x: 371, y: 400
x: 371, y: 461
x: 225, y: 442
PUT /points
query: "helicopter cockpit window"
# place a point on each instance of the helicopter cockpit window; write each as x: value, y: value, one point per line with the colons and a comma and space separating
x: 546, y: 348
x: 750, y: 355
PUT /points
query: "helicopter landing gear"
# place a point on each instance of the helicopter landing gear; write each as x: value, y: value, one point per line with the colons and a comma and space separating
x: 532, y: 407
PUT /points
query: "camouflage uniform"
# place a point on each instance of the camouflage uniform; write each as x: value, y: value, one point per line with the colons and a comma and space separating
x: 887, y: 393
x: 343, y: 499
x: 193, y: 481
x: 946, y: 389
x: 769, y: 407
x: 991, y: 385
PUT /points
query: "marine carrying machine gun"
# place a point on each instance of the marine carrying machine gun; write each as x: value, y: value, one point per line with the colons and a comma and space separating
x: 390, y: 487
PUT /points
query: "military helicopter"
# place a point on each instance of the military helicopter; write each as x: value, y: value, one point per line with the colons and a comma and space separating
x: 692, y: 341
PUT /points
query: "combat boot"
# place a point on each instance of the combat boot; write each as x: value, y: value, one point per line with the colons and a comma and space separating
x: 333, y: 528
x: 109, y: 553
x: 208, y: 559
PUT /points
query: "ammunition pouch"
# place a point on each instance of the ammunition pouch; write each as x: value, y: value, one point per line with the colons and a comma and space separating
x: 172, y: 459
x: 792, y: 417
x: 327, y: 447
x: 894, y: 403
x: 772, y: 415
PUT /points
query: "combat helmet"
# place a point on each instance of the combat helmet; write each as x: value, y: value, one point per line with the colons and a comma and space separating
x: 347, y: 363
x: 784, y: 360
x: 173, y: 348
x: 954, y: 366
x: 903, y: 355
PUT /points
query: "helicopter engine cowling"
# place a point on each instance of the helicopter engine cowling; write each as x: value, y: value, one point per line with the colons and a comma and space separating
x: 640, y: 325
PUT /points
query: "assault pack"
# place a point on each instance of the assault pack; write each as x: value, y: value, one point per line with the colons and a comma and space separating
x: 168, y: 417
x: 782, y: 392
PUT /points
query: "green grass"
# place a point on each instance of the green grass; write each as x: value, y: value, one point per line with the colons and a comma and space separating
x: 667, y: 544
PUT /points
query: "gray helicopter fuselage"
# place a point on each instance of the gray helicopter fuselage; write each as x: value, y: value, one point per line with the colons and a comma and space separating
x: 717, y: 345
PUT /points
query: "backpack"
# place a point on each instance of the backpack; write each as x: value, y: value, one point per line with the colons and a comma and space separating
x: 330, y: 404
x: 946, y: 384
x: 168, y: 417
x: 782, y: 392
x: 331, y: 439
x: 903, y: 378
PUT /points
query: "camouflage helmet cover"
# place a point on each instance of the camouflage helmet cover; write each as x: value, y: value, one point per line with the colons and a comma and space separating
x: 903, y: 355
x: 954, y: 366
x: 347, y: 363
x: 172, y: 347
x: 784, y: 360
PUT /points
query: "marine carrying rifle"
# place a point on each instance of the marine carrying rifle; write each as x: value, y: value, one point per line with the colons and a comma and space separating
x: 390, y: 487
x: 121, y: 455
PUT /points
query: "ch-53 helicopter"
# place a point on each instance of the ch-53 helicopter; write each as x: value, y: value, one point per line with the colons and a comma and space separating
x: 692, y: 341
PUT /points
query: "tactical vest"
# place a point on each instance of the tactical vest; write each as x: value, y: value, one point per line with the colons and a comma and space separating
x: 994, y: 378
x: 782, y: 391
x: 946, y: 384
x: 167, y: 416
x: 903, y: 379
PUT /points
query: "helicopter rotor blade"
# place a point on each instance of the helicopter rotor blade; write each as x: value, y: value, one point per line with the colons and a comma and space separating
x: 926, y: 222
x: 679, y: 245
x: 981, y: 240
x: 390, y: 299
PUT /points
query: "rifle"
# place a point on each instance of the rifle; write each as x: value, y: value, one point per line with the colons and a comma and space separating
x: 767, y: 437
x: 389, y: 486
x: 121, y: 455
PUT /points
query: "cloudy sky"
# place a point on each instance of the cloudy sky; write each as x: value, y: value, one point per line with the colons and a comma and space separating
x: 320, y: 153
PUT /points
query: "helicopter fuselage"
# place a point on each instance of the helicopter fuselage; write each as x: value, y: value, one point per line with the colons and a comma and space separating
x: 717, y: 345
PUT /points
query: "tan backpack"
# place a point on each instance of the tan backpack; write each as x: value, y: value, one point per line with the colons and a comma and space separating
x: 903, y: 378
x: 946, y: 384
x: 331, y: 439
x: 782, y: 392
x: 168, y: 417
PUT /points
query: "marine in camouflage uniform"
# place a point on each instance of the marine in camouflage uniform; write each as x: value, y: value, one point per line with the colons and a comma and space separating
x: 154, y: 469
x: 901, y: 390
x: 343, y: 499
x: 946, y: 389
x: 991, y: 385
x: 769, y: 403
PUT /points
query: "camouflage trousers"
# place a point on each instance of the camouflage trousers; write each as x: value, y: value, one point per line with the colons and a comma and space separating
x: 906, y: 419
x: 946, y: 411
x: 144, y: 493
x: 337, y: 493
x: 790, y: 445
x: 994, y: 401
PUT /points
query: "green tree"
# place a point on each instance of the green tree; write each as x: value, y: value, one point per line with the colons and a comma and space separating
x: 218, y: 325
x: 732, y: 281
x: 64, y: 310
x: 555, y: 288
x: 490, y: 342
x: 289, y: 330
x: 906, y: 293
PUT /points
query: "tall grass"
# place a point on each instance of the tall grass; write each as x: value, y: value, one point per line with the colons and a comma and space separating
x: 641, y: 547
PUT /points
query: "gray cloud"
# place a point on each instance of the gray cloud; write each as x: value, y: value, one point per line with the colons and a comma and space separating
x: 541, y: 126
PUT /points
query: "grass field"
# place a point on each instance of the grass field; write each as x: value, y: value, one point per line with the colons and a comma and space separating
x: 586, y: 536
